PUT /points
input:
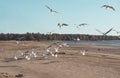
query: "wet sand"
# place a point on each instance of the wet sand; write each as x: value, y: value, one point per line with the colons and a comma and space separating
x: 99, y: 61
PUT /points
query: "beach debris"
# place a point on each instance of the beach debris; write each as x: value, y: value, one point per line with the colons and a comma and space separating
x: 108, y: 6
x: 50, y: 9
x: 5, y: 75
x: 19, y: 75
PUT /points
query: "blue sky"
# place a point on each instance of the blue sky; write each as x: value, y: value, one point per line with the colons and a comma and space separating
x: 21, y: 16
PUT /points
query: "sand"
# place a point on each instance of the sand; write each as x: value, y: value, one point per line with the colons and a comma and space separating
x: 99, y: 61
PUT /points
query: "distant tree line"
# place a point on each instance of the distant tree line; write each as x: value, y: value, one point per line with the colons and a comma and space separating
x: 39, y: 37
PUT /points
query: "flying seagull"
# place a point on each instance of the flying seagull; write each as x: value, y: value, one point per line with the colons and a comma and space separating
x: 61, y: 25
x: 82, y: 24
x: 117, y: 31
x: 105, y: 34
x: 108, y: 6
x: 50, y: 9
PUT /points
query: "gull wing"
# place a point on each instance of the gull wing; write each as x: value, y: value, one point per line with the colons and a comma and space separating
x: 54, y: 11
x: 112, y: 8
x: 64, y: 24
x: 48, y: 7
x: 108, y: 31
x: 99, y: 31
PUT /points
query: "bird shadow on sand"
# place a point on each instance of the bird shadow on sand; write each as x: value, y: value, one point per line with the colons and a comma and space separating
x: 7, y: 66
x: 11, y: 59
x: 51, y: 62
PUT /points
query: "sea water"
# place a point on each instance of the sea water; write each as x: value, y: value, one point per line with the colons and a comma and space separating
x: 103, y: 42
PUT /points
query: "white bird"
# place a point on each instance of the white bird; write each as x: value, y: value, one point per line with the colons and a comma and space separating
x: 117, y: 31
x: 51, y: 10
x: 56, y: 49
x: 83, y: 52
x: 61, y: 25
x: 56, y: 55
x: 34, y: 54
x: 105, y: 34
x: 82, y: 24
x: 65, y: 45
x: 27, y: 57
x: 17, y: 42
x: 15, y: 58
x: 108, y: 6
x: 78, y: 39
x: 47, y: 50
x: 60, y: 45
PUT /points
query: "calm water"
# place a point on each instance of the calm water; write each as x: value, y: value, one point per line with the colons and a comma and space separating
x: 108, y: 42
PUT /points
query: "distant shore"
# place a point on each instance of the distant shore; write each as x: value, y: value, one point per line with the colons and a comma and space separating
x: 55, y: 36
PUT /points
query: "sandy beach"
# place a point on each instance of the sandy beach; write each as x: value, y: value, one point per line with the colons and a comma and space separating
x: 98, y: 62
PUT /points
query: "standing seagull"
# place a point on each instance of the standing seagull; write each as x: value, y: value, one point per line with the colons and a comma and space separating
x: 51, y: 10
x: 108, y: 6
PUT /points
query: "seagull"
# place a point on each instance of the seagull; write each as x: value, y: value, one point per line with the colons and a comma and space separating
x: 17, y: 42
x: 56, y: 55
x: 117, y: 31
x: 15, y: 58
x: 78, y: 39
x: 64, y: 24
x: 105, y: 34
x: 27, y: 57
x: 61, y: 25
x: 82, y: 24
x: 51, y: 10
x: 108, y: 6
x: 34, y: 54
x: 83, y: 52
x: 56, y: 49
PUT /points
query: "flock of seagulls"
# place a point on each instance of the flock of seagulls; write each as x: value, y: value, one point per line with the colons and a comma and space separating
x: 26, y: 55
x: 53, y: 49
x: 60, y: 25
